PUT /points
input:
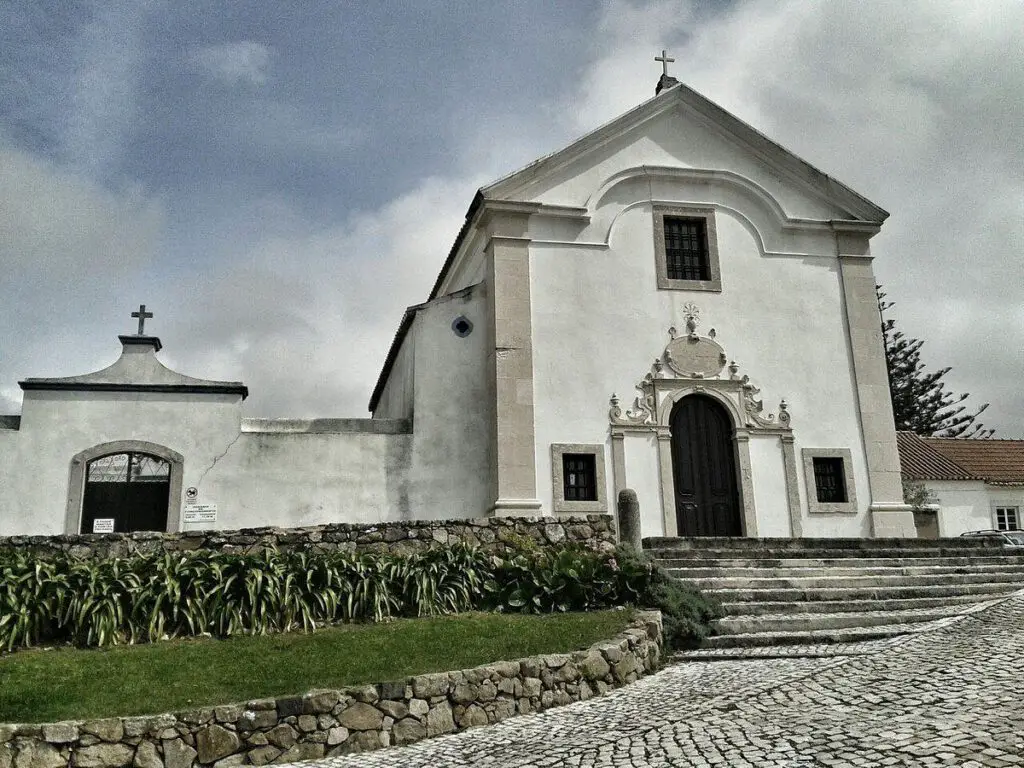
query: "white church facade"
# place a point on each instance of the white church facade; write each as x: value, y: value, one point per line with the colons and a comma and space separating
x: 673, y: 304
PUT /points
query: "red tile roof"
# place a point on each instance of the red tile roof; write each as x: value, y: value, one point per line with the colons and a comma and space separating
x: 997, y: 462
x: 920, y: 461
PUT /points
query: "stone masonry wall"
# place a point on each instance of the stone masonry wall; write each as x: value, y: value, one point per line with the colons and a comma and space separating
x: 334, y: 722
x: 494, y: 534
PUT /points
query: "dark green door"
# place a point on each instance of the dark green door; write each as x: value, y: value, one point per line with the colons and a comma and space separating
x: 704, y: 469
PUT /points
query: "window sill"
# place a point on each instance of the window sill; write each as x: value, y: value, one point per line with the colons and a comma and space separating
x: 668, y: 284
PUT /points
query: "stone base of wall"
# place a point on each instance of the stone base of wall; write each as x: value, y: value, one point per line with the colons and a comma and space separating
x: 494, y: 534
x: 334, y: 722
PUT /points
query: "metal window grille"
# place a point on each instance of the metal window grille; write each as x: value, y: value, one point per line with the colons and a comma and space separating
x: 1007, y: 519
x: 829, y: 480
x: 579, y: 477
x: 128, y: 468
x: 686, y: 249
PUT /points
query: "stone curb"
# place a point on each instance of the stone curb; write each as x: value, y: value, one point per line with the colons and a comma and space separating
x: 325, y: 723
x: 492, y: 534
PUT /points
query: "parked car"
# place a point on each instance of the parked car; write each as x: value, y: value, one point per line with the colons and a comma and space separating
x: 1006, y: 538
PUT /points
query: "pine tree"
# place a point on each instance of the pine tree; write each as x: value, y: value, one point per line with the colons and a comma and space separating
x: 920, y: 401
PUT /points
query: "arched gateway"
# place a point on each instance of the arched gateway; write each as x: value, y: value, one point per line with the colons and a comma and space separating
x: 125, y: 485
x: 704, y: 469
x: 129, y: 490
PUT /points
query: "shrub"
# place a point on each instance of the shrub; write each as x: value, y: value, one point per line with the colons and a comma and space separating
x: 686, y: 613
x: 150, y: 597
x: 547, y: 580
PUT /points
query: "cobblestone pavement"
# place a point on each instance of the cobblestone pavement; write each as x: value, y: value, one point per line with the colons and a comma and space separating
x: 953, y: 696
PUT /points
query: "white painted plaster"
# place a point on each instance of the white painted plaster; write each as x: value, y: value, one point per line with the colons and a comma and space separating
x: 451, y: 464
x: 398, y: 396
x: 599, y: 321
x: 35, y: 468
x: 675, y: 138
x: 769, y: 486
x: 306, y: 479
x: 642, y: 475
x: 969, y: 505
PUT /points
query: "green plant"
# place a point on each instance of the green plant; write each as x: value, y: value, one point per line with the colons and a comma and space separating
x: 917, y: 495
x: 686, y: 613
x: 443, y: 580
x: 920, y: 401
x: 151, y: 597
x: 548, y: 580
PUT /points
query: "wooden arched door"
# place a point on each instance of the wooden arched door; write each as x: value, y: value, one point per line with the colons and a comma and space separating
x: 126, y: 492
x: 704, y: 469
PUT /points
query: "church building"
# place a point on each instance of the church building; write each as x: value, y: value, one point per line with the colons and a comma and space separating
x: 673, y: 303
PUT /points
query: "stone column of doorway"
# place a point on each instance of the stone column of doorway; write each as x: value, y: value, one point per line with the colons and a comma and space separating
x: 890, y: 516
x: 507, y: 253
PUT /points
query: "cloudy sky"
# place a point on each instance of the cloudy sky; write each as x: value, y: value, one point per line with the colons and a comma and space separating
x: 277, y: 181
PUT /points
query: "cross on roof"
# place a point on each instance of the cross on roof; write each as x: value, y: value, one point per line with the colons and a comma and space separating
x: 665, y: 60
x: 142, y: 314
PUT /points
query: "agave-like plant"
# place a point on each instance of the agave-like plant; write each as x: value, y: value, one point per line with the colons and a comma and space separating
x: 149, y: 597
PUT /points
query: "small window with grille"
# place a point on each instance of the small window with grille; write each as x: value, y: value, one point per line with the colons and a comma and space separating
x: 686, y: 249
x: 828, y: 477
x: 1007, y: 519
x: 829, y: 480
x: 579, y: 477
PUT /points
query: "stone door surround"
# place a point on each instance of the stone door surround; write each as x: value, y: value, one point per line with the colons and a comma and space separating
x: 79, y: 462
x: 693, y: 364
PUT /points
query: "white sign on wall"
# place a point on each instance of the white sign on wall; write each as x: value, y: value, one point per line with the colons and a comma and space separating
x: 199, y: 514
x: 103, y: 525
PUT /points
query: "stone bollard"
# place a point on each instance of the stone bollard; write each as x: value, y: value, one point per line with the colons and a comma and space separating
x: 629, y: 519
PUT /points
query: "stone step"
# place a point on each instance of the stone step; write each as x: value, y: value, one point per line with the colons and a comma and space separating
x: 810, y: 637
x: 842, y: 562
x: 839, y: 606
x: 707, y: 543
x: 803, y: 622
x: 828, y: 553
x: 938, y: 571
x: 861, y: 582
x: 815, y: 592
x: 866, y: 592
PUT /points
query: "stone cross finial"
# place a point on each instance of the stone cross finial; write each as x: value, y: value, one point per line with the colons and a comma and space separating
x: 142, y: 314
x: 665, y: 60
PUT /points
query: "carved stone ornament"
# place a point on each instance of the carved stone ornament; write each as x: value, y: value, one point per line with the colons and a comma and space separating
x: 693, y: 358
x: 691, y: 355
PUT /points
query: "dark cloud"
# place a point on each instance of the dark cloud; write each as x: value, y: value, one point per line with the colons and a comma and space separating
x: 278, y: 181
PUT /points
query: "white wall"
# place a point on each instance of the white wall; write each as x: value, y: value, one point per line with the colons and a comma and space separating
x: 398, y: 396
x: 599, y: 319
x: 769, y: 481
x: 970, y: 505
x: 599, y: 322
x: 307, y: 478
x: 255, y: 479
x: 452, y: 447
x: 642, y: 475
x: 36, y: 465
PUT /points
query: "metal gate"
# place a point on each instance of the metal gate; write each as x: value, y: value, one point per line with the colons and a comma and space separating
x: 126, y: 492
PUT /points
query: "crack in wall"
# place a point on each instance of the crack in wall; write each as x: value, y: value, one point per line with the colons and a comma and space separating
x: 199, y: 482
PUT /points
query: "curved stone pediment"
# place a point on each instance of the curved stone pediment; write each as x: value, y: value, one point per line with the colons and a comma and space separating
x: 137, y: 370
x: 694, y: 364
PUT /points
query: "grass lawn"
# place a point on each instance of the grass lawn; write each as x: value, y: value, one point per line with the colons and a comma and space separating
x: 73, y: 684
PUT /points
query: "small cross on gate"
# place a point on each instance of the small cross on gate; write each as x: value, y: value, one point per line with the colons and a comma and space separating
x: 142, y: 314
x: 665, y: 60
